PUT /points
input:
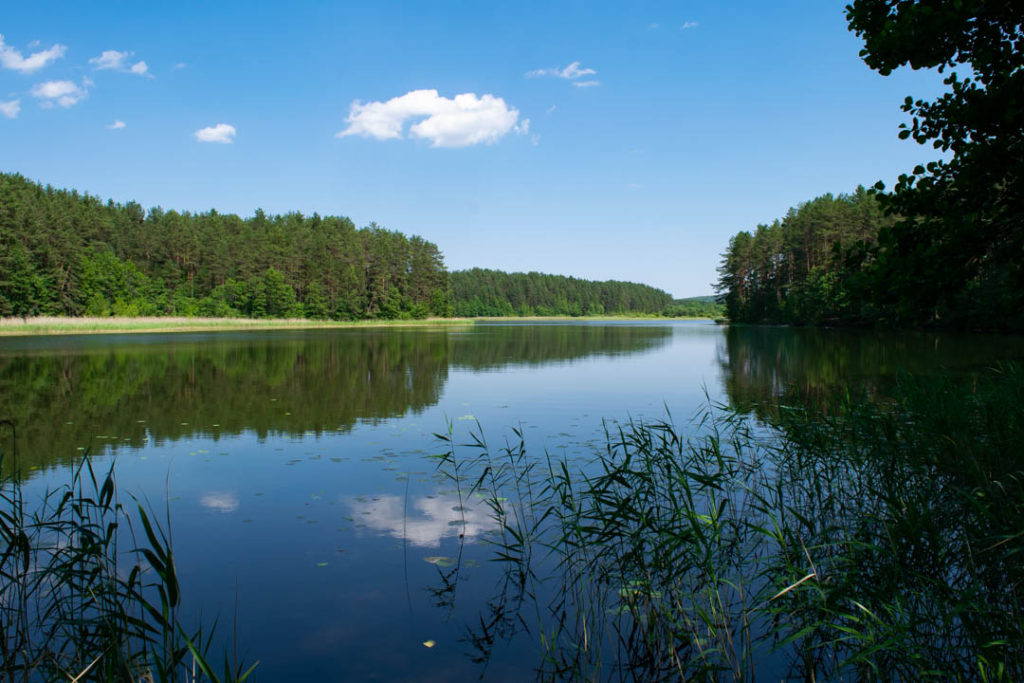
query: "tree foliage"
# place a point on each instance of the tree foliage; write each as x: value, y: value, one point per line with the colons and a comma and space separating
x: 950, y: 250
x: 956, y: 256
x: 65, y: 253
x: 809, y: 267
x: 482, y: 292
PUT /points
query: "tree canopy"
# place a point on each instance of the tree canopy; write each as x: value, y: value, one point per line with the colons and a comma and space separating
x: 807, y: 267
x: 956, y: 254
x: 946, y: 246
x: 483, y: 292
x: 65, y: 253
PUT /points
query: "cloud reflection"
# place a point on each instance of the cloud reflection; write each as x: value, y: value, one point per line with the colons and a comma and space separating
x: 429, y: 519
x: 219, y: 501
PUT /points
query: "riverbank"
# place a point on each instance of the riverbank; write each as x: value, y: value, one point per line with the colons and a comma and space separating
x: 11, y: 327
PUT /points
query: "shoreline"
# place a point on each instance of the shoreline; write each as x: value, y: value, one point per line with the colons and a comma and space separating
x: 48, y: 326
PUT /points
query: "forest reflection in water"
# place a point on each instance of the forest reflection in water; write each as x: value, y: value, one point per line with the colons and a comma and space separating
x: 91, y: 393
x: 764, y: 367
x: 856, y: 511
x: 330, y: 434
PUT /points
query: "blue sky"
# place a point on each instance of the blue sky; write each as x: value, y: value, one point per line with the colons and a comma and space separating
x: 614, y: 140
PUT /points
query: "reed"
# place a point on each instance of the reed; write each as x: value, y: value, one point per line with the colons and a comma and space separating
x: 89, y: 591
x: 877, y: 539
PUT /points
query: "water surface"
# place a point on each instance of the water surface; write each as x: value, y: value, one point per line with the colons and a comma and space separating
x: 297, y: 469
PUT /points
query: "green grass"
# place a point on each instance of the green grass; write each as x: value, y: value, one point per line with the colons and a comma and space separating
x: 86, y: 325
x: 63, y: 325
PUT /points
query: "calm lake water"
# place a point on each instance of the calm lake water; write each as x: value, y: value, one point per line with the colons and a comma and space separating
x: 297, y: 468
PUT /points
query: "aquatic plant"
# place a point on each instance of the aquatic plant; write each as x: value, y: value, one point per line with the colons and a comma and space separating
x: 874, y: 539
x: 77, y: 604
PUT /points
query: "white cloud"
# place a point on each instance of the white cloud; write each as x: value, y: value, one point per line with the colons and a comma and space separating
x: 586, y: 84
x: 179, y: 65
x: 63, y: 93
x: 10, y: 109
x: 12, y: 59
x: 458, y: 122
x: 222, y: 133
x: 689, y: 25
x: 571, y: 72
x: 109, y: 59
x: 116, y: 125
x: 118, y: 61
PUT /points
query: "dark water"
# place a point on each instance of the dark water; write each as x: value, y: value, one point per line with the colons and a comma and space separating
x: 296, y: 464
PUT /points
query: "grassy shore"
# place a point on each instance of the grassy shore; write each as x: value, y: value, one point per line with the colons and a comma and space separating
x: 62, y: 325
x: 10, y: 327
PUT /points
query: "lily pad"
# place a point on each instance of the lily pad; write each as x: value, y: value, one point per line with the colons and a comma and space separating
x: 440, y: 561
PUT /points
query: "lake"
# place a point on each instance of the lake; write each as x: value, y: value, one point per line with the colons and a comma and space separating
x: 297, y: 472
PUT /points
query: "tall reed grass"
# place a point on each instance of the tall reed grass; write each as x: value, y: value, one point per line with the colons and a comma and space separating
x: 879, y: 540
x: 89, y: 591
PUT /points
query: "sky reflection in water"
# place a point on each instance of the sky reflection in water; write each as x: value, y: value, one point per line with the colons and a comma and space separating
x: 296, y: 462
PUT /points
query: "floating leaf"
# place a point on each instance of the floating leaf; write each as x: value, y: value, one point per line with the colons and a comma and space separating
x: 440, y: 561
x: 321, y: 564
x: 429, y: 643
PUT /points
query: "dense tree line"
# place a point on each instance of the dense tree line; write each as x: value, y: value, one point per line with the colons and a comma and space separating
x: 483, y: 292
x: 65, y: 253
x: 696, y: 307
x: 944, y: 247
x: 955, y: 256
x: 808, y: 267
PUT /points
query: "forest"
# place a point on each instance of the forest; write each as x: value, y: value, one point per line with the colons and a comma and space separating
x: 483, y: 292
x: 806, y: 267
x: 944, y: 247
x: 64, y: 253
